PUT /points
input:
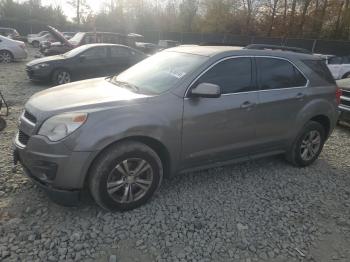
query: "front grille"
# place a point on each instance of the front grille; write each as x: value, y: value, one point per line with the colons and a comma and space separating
x: 30, y: 117
x: 23, y: 138
x: 346, y: 93
x: 345, y: 102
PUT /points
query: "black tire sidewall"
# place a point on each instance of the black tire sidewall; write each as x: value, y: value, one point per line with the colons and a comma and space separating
x: 103, y: 168
x: 296, y: 148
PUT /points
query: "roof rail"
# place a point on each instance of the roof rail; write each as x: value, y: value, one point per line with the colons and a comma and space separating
x: 278, y: 47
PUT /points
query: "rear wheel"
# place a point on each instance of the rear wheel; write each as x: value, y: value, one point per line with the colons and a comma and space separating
x: 60, y: 77
x: 308, y: 145
x: 35, y: 44
x: 125, y: 176
x: 5, y: 56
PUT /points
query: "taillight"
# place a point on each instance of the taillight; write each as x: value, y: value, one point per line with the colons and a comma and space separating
x: 22, y: 46
x: 338, y: 94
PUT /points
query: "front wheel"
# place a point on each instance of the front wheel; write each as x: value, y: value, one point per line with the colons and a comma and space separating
x: 60, y: 77
x: 308, y: 145
x: 125, y: 176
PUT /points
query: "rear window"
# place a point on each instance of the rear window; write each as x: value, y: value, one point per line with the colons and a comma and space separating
x: 320, y: 68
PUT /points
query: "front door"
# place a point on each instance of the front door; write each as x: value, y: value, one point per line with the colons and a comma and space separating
x: 92, y: 62
x: 219, y: 129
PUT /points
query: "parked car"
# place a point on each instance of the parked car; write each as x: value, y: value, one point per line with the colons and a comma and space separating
x: 83, y: 62
x: 186, y: 108
x: 339, y: 66
x: 140, y: 44
x: 82, y: 38
x: 35, y: 41
x: 11, y: 50
x: 164, y: 44
x: 31, y: 36
x: 344, y: 85
x: 9, y: 32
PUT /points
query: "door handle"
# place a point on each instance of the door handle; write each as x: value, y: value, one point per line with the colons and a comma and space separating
x: 300, y: 96
x: 247, y: 104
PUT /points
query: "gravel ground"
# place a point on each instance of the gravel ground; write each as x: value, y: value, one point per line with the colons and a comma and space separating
x: 263, y: 210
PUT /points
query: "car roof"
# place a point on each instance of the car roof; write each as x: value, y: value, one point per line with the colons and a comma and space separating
x: 211, y: 51
x: 104, y: 44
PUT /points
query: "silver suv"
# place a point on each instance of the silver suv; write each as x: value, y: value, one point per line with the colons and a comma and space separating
x: 186, y: 108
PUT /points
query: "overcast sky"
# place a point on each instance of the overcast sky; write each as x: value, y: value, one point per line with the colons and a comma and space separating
x: 68, y: 10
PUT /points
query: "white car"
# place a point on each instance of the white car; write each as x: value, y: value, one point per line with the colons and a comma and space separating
x: 11, y: 50
x: 339, y: 66
x: 37, y: 40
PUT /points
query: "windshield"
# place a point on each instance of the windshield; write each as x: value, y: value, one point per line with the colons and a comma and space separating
x: 160, y: 72
x: 76, y: 51
x: 75, y: 40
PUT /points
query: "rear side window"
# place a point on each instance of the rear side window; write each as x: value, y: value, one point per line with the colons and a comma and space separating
x: 119, y: 52
x: 320, y: 68
x: 278, y: 73
x: 232, y: 75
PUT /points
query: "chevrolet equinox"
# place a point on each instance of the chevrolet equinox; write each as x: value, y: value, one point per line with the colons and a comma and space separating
x: 183, y: 109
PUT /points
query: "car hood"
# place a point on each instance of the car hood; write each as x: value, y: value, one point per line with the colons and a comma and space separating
x: 45, y: 60
x: 89, y: 94
x: 344, y: 83
x: 58, y: 35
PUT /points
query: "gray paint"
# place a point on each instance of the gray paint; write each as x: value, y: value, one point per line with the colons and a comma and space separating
x: 197, y: 132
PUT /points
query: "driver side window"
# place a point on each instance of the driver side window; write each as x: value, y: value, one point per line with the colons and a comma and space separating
x: 233, y: 75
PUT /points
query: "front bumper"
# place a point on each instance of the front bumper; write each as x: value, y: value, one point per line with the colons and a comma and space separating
x: 54, y: 167
x: 42, y: 74
x: 60, y: 196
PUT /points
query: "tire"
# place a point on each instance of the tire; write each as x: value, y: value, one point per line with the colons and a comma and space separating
x: 346, y: 75
x: 110, y: 168
x: 305, y: 150
x: 35, y: 44
x: 60, y: 77
x: 6, y: 57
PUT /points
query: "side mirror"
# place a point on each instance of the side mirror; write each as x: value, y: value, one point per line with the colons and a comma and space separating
x: 206, y: 90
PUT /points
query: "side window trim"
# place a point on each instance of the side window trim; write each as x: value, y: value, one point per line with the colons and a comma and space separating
x: 253, y: 79
x: 280, y: 58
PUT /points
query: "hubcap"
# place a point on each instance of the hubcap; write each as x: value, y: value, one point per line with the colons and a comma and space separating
x: 63, y: 78
x: 130, y: 180
x: 5, y: 57
x: 310, y: 145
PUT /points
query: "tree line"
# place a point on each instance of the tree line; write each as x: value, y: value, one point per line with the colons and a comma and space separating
x: 328, y: 19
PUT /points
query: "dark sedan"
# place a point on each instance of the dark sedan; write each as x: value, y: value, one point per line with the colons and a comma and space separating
x: 87, y: 61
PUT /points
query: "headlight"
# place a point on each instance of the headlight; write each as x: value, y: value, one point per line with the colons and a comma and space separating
x: 43, y: 65
x: 60, y: 126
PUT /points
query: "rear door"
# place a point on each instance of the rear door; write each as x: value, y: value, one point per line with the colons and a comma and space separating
x: 219, y: 129
x: 283, y: 92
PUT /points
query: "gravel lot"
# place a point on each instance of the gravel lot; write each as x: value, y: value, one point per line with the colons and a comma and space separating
x: 264, y: 210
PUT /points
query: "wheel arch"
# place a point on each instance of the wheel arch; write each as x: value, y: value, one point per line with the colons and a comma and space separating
x: 324, y: 121
x: 153, y: 143
x: 8, y: 51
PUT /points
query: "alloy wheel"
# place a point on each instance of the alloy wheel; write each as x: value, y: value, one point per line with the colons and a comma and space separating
x: 5, y: 57
x: 63, y: 77
x: 310, y: 145
x: 130, y: 180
